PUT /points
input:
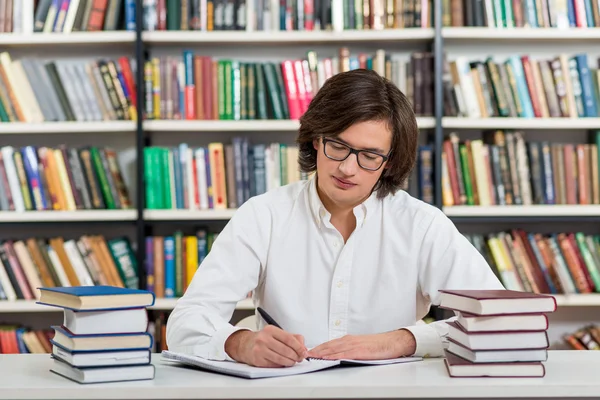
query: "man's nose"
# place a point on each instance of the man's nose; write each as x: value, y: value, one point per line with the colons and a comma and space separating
x: 350, y: 165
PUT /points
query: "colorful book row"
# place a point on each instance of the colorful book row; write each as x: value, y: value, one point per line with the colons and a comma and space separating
x: 26, y: 265
x: 274, y: 15
x: 196, y: 87
x: 172, y: 260
x: 20, y: 340
x: 556, y: 263
x: 34, y: 90
x: 218, y: 176
x: 63, y: 178
x: 522, y: 13
x: 522, y: 86
x: 504, y: 169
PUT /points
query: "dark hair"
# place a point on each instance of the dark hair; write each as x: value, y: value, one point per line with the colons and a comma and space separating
x: 356, y: 96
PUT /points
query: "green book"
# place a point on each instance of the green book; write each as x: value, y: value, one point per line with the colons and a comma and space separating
x: 464, y: 162
x: 101, y: 174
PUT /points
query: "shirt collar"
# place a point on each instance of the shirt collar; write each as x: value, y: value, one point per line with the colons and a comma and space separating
x: 320, y: 213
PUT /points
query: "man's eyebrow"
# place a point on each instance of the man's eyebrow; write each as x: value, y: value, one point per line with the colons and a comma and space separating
x: 374, y: 149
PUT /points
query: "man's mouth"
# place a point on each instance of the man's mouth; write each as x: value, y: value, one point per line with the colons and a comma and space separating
x: 343, y: 183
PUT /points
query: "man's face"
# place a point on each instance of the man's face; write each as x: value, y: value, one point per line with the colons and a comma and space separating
x: 344, y: 184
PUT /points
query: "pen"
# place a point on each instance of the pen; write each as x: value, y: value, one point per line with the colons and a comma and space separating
x: 270, y: 320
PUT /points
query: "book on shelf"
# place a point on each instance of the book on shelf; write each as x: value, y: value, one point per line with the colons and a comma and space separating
x: 272, y: 15
x: 524, y: 86
x: 521, y: 14
x: 201, y: 87
x: 172, y: 260
x: 91, y: 260
x: 36, y: 90
x: 216, y: 176
x: 16, y: 339
x: 62, y: 178
x: 504, y: 169
x: 585, y: 338
x: 50, y: 16
x: 556, y: 263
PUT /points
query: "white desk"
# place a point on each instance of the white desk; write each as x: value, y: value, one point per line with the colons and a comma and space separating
x: 569, y: 374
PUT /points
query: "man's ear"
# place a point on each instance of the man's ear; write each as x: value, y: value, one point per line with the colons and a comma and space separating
x: 316, y: 143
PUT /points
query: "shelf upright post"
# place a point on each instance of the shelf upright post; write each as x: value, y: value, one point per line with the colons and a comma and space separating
x: 438, y: 56
x: 140, y: 144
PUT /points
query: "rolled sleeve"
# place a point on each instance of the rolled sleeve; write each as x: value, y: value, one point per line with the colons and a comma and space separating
x: 428, y: 341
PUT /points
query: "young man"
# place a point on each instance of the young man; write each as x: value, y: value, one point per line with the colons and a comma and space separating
x: 345, y: 262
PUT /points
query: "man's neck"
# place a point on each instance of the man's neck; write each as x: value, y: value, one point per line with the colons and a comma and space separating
x: 342, y: 217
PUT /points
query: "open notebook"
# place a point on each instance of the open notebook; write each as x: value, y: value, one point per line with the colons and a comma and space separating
x: 247, y: 371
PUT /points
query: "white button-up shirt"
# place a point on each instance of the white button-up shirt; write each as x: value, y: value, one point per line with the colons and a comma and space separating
x: 282, y: 246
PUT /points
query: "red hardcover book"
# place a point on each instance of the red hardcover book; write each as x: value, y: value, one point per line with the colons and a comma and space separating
x: 496, y: 302
x: 498, y: 340
x: 459, y: 367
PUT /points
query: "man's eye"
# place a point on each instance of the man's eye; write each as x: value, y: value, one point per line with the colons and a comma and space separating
x: 369, y: 157
x: 337, y: 146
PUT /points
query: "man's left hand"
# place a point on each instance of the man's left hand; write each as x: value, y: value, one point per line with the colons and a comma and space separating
x: 380, y: 346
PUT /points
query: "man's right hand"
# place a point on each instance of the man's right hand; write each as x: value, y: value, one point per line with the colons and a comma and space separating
x: 269, y: 347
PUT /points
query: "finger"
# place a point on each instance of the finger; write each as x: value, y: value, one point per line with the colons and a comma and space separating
x: 291, y: 341
x: 278, y: 359
x: 300, y: 339
x: 283, y: 350
x: 332, y: 347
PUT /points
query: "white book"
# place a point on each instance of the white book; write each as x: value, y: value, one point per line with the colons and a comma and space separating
x: 105, y: 374
x: 6, y: 285
x: 248, y: 371
x: 102, y: 358
x: 13, y: 181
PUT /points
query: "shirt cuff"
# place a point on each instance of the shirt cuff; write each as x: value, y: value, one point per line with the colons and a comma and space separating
x: 217, y: 350
x: 428, y: 341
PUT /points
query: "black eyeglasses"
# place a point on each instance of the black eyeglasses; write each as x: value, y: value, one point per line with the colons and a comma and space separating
x: 367, y: 159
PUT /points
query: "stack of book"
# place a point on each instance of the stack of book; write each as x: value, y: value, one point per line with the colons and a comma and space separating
x: 104, y: 335
x: 497, y: 333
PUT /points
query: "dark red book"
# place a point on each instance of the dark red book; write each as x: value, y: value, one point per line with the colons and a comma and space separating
x: 499, y: 340
x: 496, y: 302
x: 460, y: 368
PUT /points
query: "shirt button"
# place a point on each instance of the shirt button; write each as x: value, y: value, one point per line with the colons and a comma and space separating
x: 340, y: 284
x: 338, y: 322
x: 335, y: 244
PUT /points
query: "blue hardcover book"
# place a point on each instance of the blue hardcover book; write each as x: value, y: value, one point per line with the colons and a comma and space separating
x: 587, y: 88
x: 522, y: 90
x: 169, y: 257
x: 95, y: 298
x: 130, y: 15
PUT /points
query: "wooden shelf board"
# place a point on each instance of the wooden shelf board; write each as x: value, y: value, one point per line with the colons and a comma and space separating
x: 67, y: 216
x: 536, y: 34
x: 243, y: 125
x: 67, y: 127
x: 524, y: 211
x: 186, y: 215
x: 220, y: 126
x: 19, y: 306
x: 287, y: 37
x: 86, y: 38
x: 520, y: 123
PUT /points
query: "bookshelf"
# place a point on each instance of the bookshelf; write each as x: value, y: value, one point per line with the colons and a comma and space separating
x: 132, y: 136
